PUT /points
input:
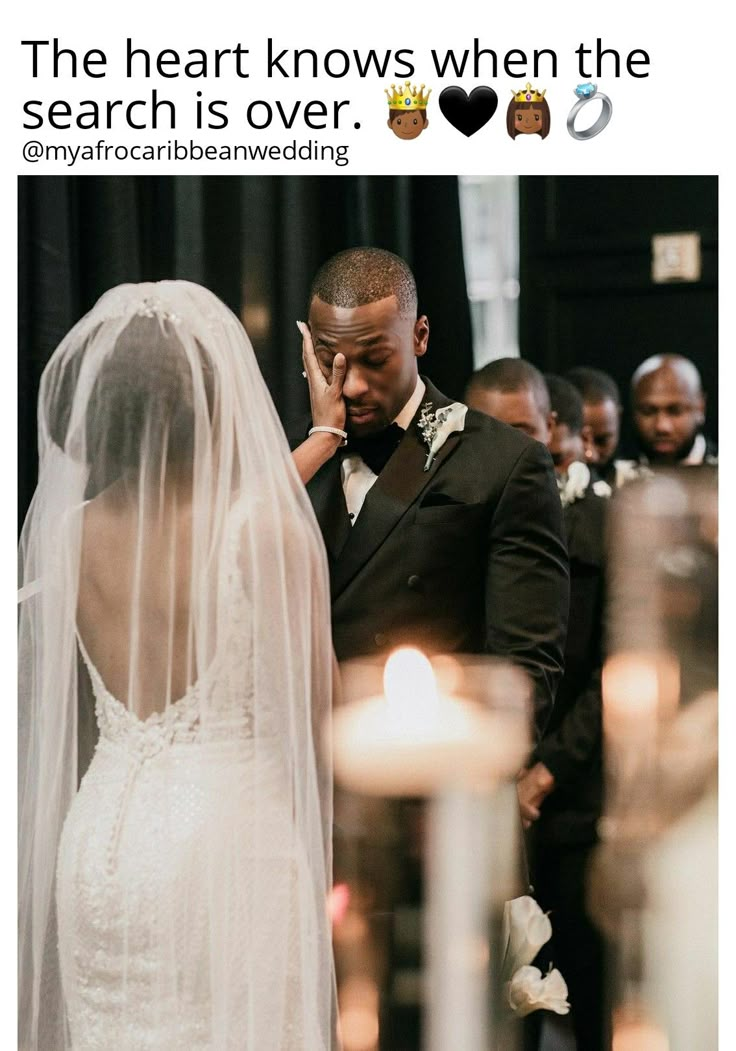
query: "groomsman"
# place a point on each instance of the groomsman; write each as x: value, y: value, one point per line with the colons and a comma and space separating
x: 602, y: 414
x: 571, y: 440
x: 668, y: 404
x: 561, y: 793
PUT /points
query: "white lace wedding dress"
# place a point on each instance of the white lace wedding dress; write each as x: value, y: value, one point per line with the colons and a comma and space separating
x: 176, y: 899
x: 179, y: 822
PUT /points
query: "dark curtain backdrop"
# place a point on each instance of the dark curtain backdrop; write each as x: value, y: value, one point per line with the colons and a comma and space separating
x: 254, y: 241
x: 587, y: 295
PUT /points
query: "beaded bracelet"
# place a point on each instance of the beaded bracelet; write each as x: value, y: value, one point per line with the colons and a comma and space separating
x: 332, y: 430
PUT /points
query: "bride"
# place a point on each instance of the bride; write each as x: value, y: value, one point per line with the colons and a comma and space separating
x: 176, y: 899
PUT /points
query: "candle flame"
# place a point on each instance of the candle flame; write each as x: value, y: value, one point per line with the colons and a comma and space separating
x: 640, y: 686
x: 631, y: 684
x: 358, y: 1025
x: 410, y: 687
x: 634, y: 1035
x: 338, y: 902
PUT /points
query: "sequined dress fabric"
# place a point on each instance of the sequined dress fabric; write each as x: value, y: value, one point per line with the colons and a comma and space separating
x: 176, y: 812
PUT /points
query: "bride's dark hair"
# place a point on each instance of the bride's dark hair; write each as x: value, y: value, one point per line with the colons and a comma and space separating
x: 141, y: 412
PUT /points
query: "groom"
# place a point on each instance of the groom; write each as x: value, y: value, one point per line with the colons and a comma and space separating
x: 461, y: 554
x: 466, y: 555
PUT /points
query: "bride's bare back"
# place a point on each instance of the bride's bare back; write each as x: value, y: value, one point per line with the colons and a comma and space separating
x: 133, y: 585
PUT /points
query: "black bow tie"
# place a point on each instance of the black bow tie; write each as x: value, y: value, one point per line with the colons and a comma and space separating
x: 375, y: 449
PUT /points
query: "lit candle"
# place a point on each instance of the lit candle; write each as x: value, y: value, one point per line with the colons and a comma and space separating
x: 639, y: 688
x: 417, y: 739
x: 681, y: 918
x: 358, y: 1025
x: 414, y: 739
x: 638, y: 1034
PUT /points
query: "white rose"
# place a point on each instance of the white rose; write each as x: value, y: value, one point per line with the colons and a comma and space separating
x: 448, y: 420
x: 630, y: 471
x: 575, y: 484
x: 526, y: 929
x: 528, y: 991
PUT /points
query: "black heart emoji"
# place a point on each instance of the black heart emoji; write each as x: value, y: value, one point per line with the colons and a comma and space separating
x: 468, y: 113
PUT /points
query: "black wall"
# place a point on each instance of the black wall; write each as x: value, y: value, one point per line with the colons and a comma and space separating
x: 587, y: 297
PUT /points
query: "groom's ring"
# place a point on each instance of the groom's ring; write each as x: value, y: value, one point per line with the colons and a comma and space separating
x: 586, y: 93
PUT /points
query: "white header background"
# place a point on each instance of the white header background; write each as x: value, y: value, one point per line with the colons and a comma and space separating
x: 677, y: 120
x: 669, y: 121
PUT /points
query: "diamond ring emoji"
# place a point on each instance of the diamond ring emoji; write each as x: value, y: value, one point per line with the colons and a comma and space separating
x: 585, y: 94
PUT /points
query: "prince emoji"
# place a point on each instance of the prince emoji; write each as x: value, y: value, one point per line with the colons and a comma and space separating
x: 407, y: 110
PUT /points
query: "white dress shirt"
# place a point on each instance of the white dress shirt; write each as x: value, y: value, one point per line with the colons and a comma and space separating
x: 696, y: 456
x: 627, y: 470
x: 357, y: 477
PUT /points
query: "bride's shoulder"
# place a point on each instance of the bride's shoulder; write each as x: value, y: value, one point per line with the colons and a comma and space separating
x: 270, y: 522
x: 259, y: 505
x: 107, y: 519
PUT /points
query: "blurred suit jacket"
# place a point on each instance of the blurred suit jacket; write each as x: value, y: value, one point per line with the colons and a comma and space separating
x: 468, y: 556
x: 572, y: 746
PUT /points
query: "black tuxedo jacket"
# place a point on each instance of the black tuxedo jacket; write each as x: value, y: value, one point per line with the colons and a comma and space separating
x: 572, y: 745
x: 467, y: 556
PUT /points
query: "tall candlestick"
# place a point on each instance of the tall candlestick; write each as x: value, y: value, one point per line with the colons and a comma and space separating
x: 416, y: 739
x: 457, y: 923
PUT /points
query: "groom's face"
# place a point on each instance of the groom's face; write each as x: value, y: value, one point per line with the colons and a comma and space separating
x: 381, y: 347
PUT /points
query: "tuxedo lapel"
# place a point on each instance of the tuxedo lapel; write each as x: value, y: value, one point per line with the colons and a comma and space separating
x: 328, y: 500
x: 399, y: 485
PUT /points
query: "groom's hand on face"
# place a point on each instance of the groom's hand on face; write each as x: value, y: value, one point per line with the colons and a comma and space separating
x: 325, y: 391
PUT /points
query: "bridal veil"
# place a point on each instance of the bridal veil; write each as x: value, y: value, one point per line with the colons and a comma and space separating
x: 164, y: 475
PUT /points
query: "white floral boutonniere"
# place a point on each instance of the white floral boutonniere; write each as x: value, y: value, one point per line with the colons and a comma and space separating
x: 573, y: 486
x: 630, y: 471
x: 436, y: 427
x: 526, y: 930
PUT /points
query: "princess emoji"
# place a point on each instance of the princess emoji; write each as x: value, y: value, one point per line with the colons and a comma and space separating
x: 528, y: 113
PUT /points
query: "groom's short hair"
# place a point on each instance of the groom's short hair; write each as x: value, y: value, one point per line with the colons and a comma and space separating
x: 364, y: 275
